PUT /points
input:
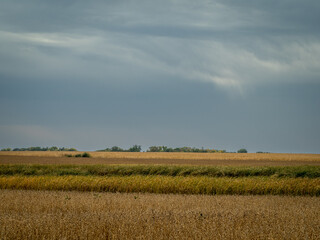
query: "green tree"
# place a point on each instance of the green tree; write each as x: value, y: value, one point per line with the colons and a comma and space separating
x: 155, y: 149
x: 242, y: 150
x: 6, y: 149
x: 135, y: 148
x: 116, y: 149
x: 54, y: 148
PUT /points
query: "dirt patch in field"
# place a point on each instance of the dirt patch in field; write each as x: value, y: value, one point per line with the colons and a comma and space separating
x: 11, y: 159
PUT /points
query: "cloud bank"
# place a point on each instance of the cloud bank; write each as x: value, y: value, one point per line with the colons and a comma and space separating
x: 230, y: 44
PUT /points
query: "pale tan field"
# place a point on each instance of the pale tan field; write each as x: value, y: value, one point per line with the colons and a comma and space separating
x: 231, y: 159
x: 75, y: 215
x: 165, y: 155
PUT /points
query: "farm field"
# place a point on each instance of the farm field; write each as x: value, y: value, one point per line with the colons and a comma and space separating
x: 291, y: 179
x: 179, y: 179
x: 46, y: 195
x: 225, y: 159
x: 90, y: 215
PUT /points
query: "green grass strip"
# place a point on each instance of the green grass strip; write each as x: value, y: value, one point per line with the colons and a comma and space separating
x: 167, y: 184
x: 159, y: 170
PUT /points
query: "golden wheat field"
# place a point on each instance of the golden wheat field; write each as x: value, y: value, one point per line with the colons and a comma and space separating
x: 89, y: 215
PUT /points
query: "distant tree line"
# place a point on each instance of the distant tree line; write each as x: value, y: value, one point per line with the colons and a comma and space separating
x: 53, y: 148
x: 182, y: 149
x: 134, y: 148
x: 137, y: 148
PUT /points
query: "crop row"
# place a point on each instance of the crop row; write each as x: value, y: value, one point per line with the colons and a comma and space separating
x: 161, y: 170
x: 167, y: 184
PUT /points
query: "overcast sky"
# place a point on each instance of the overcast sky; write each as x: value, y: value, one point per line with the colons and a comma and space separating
x: 223, y: 74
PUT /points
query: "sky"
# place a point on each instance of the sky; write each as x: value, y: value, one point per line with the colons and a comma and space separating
x: 222, y: 74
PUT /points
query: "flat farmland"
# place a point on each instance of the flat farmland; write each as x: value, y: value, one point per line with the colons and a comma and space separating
x: 218, y: 159
x: 47, y: 195
x: 286, y: 174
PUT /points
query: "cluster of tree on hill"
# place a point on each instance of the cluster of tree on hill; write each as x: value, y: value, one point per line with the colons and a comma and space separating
x: 182, y: 149
x: 53, y: 148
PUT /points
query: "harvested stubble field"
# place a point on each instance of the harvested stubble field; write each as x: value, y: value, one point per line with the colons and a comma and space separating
x: 88, y: 215
x: 225, y: 159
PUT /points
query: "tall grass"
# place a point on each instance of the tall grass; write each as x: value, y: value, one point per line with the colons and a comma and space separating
x: 167, y: 184
x: 161, y: 170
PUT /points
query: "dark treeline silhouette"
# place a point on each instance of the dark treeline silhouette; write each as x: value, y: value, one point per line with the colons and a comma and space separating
x: 54, y: 148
